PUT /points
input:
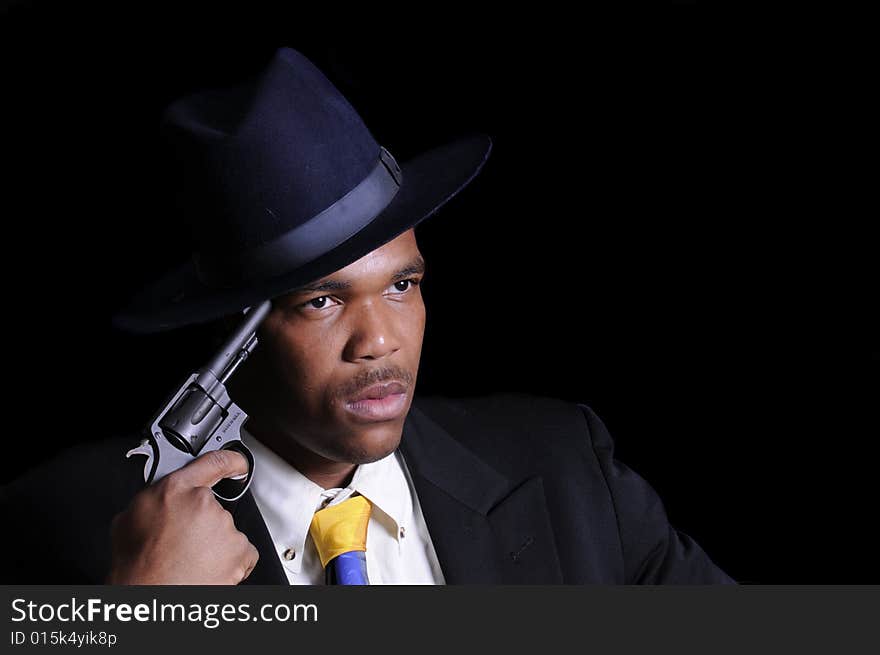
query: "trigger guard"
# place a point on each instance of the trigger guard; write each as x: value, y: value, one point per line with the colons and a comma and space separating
x: 231, y: 489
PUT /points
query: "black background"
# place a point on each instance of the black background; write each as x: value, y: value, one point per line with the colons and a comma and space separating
x: 658, y: 233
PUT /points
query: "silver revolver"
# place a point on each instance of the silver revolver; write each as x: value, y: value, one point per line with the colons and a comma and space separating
x: 201, y: 417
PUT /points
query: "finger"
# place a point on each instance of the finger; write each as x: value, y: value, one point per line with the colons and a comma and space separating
x: 208, y: 469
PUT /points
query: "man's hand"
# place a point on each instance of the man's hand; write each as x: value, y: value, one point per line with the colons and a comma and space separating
x: 176, y: 532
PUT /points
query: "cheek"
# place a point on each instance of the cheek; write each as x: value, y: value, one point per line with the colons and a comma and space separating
x: 307, y: 363
x: 416, y: 323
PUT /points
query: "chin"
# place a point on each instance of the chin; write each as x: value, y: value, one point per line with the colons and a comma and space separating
x: 373, y: 443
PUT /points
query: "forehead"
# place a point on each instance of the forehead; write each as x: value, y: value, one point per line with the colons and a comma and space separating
x: 397, y: 251
x: 398, y: 257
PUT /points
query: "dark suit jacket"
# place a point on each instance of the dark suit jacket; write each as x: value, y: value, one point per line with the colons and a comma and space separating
x: 515, y: 489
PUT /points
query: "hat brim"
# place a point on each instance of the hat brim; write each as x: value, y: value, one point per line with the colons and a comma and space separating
x: 430, y: 180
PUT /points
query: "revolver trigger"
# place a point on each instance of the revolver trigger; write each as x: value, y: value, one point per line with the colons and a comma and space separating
x: 143, y: 449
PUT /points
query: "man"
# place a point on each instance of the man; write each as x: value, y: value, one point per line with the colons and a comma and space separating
x: 292, y: 200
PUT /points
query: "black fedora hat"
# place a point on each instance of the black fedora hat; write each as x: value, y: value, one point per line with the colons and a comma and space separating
x: 281, y: 183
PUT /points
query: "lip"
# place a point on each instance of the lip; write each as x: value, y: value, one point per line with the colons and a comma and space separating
x: 380, y: 390
x: 381, y: 402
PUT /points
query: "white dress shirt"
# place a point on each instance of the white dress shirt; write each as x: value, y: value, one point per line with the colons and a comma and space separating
x: 399, y: 547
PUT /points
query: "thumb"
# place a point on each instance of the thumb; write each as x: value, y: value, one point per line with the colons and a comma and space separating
x: 208, y: 469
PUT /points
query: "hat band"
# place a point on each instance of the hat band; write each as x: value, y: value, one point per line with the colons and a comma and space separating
x: 316, y: 237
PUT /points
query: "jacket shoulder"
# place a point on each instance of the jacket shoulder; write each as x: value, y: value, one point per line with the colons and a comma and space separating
x: 507, y: 409
x: 58, y: 513
x: 86, y: 465
x: 513, y: 431
x: 503, y: 400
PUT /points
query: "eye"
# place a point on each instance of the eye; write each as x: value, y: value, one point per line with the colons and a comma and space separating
x: 402, y: 286
x: 321, y: 302
x: 399, y: 288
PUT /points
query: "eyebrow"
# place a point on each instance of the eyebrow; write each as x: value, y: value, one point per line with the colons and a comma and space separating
x: 415, y: 267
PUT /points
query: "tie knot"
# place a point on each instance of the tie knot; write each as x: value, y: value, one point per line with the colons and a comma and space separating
x: 341, y: 528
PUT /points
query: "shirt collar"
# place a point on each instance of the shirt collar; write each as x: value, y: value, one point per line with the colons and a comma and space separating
x: 289, y: 496
x: 384, y: 484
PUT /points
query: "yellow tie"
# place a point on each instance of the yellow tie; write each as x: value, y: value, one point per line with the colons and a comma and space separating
x: 340, y: 529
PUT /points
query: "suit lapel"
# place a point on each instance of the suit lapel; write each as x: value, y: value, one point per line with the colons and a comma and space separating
x: 249, y: 521
x: 486, y: 529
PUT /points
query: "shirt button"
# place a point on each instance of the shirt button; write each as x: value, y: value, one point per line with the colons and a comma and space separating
x: 289, y: 554
x: 402, y: 532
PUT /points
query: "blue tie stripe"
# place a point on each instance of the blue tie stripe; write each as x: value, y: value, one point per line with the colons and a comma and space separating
x: 348, y: 568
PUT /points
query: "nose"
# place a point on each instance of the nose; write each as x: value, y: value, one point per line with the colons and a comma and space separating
x: 374, y: 334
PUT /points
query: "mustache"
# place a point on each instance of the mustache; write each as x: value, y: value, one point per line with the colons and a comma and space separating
x: 369, y: 377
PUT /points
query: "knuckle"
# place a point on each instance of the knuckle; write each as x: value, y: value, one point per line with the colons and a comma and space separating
x: 170, y: 484
x: 165, y: 493
x: 245, y: 547
x: 249, y: 561
x: 204, y: 496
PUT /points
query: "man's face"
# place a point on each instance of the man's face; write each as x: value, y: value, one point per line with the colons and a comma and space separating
x: 331, y: 342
